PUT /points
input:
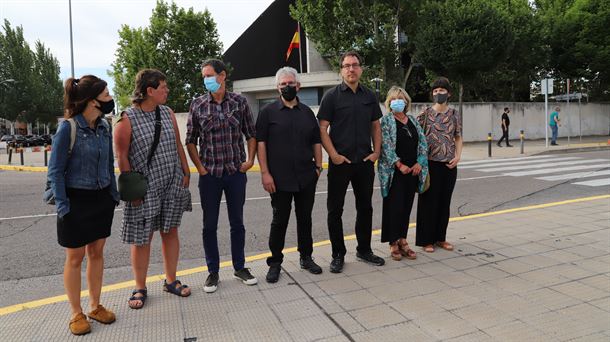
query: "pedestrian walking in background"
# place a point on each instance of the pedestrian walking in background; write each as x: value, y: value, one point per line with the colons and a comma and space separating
x: 290, y: 158
x: 217, y: 123
x: 81, y: 177
x: 504, y: 124
x: 443, y: 128
x: 352, y: 112
x: 402, y: 170
x: 148, y: 141
x: 555, y: 122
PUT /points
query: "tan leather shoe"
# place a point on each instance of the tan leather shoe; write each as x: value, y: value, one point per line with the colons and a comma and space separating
x: 79, y: 324
x: 102, y: 315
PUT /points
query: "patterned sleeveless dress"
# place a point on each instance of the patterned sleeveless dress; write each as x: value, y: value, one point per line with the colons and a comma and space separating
x: 166, y: 200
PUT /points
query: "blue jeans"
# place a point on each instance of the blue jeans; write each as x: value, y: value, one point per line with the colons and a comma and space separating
x: 554, y: 131
x: 210, y: 190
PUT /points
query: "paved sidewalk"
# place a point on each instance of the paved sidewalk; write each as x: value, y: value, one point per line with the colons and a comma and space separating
x: 540, y: 273
x: 471, y: 151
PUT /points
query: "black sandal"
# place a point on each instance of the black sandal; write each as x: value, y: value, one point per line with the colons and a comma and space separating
x: 171, y: 288
x: 142, y: 298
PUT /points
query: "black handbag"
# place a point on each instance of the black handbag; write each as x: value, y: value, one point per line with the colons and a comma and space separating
x: 133, y: 185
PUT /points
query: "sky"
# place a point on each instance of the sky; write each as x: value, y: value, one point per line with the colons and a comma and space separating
x: 95, y: 26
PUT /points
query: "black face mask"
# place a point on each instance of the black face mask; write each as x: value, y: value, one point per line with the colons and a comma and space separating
x: 106, y: 107
x: 289, y: 92
x: 440, y: 98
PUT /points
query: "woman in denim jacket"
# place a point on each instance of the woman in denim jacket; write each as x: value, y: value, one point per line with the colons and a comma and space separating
x: 83, y: 183
x: 402, y: 170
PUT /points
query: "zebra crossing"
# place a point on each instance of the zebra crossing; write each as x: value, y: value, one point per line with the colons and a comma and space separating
x: 592, y: 172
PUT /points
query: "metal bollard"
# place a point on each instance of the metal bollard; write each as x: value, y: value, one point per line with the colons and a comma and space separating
x: 10, y: 155
x: 522, y: 136
x: 489, y: 145
x: 21, y: 155
x: 46, y: 157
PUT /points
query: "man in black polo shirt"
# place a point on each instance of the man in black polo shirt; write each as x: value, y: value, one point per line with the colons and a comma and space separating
x: 504, y: 125
x: 290, y: 158
x: 352, y: 112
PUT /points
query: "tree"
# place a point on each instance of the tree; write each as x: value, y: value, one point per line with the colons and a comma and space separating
x: 176, y: 42
x: 367, y: 26
x: 47, y: 85
x: 462, y: 38
x: 17, y: 61
x: 30, y: 87
x: 577, y: 34
x: 512, y: 78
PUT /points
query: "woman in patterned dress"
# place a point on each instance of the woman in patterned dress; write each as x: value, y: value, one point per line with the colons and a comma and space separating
x: 168, y: 174
x: 402, y: 170
x: 443, y: 129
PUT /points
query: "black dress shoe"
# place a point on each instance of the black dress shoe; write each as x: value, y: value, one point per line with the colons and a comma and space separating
x: 336, y: 266
x: 310, y: 265
x: 371, y: 258
x: 509, y: 145
x: 498, y: 144
x: 273, y: 274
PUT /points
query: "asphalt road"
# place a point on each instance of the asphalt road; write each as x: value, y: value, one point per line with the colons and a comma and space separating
x: 32, y: 261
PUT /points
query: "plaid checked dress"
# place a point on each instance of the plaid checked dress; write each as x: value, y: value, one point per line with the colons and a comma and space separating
x: 166, y: 200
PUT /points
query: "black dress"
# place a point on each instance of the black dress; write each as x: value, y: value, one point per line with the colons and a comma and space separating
x: 397, y: 205
x: 89, y: 219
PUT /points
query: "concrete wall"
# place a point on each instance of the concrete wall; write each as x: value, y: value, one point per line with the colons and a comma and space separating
x: 481, y: 118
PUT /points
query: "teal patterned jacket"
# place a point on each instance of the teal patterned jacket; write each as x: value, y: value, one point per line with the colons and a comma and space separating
x: 388, y: 157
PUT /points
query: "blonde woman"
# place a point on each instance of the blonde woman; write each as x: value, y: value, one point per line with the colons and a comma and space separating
x: 402, y: 170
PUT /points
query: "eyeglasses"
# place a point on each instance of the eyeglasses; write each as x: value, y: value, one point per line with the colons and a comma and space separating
x: 406, y: 128
x: 283, y: 84
x: 348, y: 66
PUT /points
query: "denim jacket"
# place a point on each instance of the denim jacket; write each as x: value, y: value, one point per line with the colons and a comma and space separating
x: 89, y: 167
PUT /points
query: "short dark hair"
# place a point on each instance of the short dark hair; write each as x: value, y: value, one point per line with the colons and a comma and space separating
x: 442, y: 82
x: 216, y: 64
x: 144, y: 79
x: 505, y: 109
x: 350, y: 54
x: 79, y: 91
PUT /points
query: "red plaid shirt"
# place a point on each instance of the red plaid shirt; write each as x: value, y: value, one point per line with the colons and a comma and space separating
x: 219, y: 130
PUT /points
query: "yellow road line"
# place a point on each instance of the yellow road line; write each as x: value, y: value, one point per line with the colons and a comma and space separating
x: 255, y: 168
x: 159, y: 277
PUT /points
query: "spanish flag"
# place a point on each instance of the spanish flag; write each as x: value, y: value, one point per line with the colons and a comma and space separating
x: 294, y: 43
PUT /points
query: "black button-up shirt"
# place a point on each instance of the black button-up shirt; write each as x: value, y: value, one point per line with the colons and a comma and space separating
x: 289, y: 135
x: 350, y: 115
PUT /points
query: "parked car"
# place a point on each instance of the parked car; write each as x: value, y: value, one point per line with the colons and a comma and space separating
x: 47, y: 138
x: 7, y: 138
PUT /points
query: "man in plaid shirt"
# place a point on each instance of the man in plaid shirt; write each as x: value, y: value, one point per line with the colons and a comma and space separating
x: 218, y: 122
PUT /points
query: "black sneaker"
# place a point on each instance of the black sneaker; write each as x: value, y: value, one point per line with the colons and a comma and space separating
x: 245, y: 276
x: 211, y: 283
x: 336, y: 266
x: 509, y: 145
x: 371, y: 258
x: 498, y: 144
x: 273, y: 274
x: 310, y: 265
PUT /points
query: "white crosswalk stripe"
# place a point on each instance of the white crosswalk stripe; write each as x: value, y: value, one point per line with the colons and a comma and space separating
x: 556, y: 170
x: 474, y: 162
x: 521, y: 162
x: 592, y: 172
x: 576, y: 175
x: 539, y: 166
x: 595, y: 182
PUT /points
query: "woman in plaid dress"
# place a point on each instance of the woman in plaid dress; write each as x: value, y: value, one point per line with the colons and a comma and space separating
x: 167, y: 196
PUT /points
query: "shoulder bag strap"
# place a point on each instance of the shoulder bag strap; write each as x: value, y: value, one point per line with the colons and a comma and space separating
x: 157, y: 134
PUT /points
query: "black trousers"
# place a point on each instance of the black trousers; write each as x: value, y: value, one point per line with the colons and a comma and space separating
x: 281, y: 202
x: 504, y: 136
x: 397, y: 207
x: 433, y: 205
x: 361, y: 175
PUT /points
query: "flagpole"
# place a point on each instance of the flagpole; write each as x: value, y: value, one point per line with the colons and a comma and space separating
x: 300, y: 48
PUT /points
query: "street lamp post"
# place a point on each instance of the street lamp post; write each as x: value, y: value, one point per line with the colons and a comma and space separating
x: 71, y: 45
